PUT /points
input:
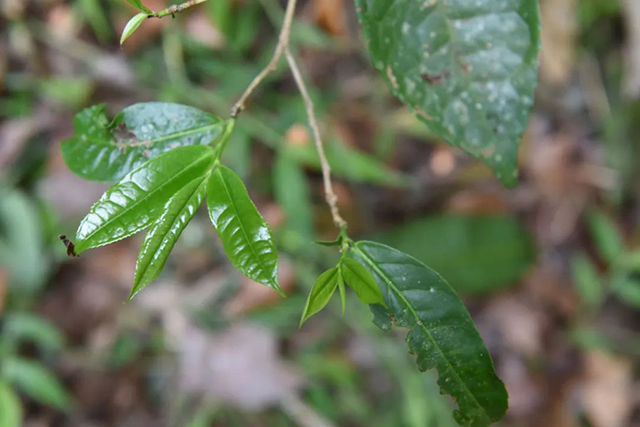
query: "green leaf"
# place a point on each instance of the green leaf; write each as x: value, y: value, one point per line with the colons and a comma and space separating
x: 587, y: 281
x: 468, y: 69
x: 37, y: 382
x: 627, y: 288
x: 165, y: 232
x: 139, y: 199
x: 245, y: 235
x: 441, y: 334
x: 10, y: 407
x: 104, y: 150
x: 475, y: 254
x: 138, y: 5
x: 132, y: 26
x: 292, y: 192
x: 321, y: 293
x: 606, y: 236
x: 20, y: 327
x: 361, y: 281
x: 343, y: 291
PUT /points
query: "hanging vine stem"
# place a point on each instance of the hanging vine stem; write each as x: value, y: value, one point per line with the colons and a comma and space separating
x: 330, y: 195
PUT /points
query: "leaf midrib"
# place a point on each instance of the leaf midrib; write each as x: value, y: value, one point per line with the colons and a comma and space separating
x: 146, y: 196
x: 419, y: 322
x: 175, y: 135
x: 242, y: 227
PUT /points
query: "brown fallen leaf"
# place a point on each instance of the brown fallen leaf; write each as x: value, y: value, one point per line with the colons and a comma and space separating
x: 330, y: 14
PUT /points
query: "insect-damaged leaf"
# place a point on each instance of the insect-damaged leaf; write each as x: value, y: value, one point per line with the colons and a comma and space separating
x: 441, y: 334
x: 468, y: 69
x: 165, y: 232
x: 139, y: 199
x: 245, y: 235
x: 104, y: 150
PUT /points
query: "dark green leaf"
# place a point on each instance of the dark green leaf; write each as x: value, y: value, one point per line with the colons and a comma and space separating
x: 10, y: 407
x: 245, y: 235
x: 138, y: 5
x: 166, y: 231
x: 19, y: 327
x: 132, y: 26
x: 139, y: 199
x: 606, y: 236
x: 106, y: 151
x: 441, y: 334
x: 37, y: 382
x: 468, y: 69
x: 321, y: 293
x: 361, y: 281
x: 476, y: 254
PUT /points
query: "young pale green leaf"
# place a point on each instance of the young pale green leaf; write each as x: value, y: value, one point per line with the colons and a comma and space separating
x: 321, y: 293
x: 10, y: 407
x: 441, y: 334
x: 343, y: 291
x: 37, y: 382
x: 105, y: 151
x: 132, y: 26
x: 245, y: 235
x: 139, y: 199
x: 606, y: 236
x: 165, y: 232
x: 361, y: 281
x: 468, y: 69
x: 138, y: 5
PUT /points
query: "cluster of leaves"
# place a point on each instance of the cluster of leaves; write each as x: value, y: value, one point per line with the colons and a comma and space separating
x: 467, y: 69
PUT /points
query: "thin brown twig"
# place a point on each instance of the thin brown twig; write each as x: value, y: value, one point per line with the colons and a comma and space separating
x: 330, y: 195
x: 283, y: 43
x: 175, y: 8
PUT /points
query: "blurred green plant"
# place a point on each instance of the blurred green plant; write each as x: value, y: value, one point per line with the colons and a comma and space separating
x: 168, y: 158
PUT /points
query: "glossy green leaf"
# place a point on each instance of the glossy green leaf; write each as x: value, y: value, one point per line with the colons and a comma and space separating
x: 361, y: 281
x: 475, y: 254
x: 139, y: 199
x: 132, y: 26
x: 587, y: 281
x: 321, y: 293
x: 165, y: 232
x: 37, y: 382
x: 138, y: 5
x: 10, y: 407
x: 468, y: 69
x: 104, y: 150
x: 21, y: 327
x: 606, y: 236
x: 441, y: 332
x: 343, y: 291
x: 245, y: 235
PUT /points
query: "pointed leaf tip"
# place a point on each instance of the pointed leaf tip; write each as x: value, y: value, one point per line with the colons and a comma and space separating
x: 132, y: 26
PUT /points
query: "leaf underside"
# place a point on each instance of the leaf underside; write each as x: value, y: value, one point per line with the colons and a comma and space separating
x: 106, y: 151
x: 467, y: 68
x: 245, y: 235
x: 441, y: 334
x: 135, y: 202
x: 165, y: 232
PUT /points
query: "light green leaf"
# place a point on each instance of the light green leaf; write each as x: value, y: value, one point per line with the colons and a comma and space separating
x: 292, y: 192
x: 321, y: 293
x: 138, y: 5
x: 139, y: 199
x: 627, y: 288
x: 441, y: 332
x: 475, y: 254
x: 10, y: 407
x: 587, y: 281
x: 468, y: 69
x: 343, y: 291
x: 361, y: 281
x: 104, y: 150
x: 166, y: 231
x: 132, y: 26
x: 19, y: 327
x: 606, y: 236
x: 245, y: 235
x: 37, y: 382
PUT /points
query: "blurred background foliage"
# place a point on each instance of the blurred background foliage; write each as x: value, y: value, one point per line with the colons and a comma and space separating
x: 550, y: 270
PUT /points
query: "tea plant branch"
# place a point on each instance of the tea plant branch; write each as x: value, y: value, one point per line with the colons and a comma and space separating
x: 330, y: 195
x: 283, y: 42
x: 176, y: 8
